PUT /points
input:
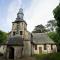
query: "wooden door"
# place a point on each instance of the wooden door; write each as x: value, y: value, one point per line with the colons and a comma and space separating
x: 40, y: 50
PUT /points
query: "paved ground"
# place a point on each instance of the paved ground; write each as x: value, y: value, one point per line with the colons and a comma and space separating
x: 24, y: 58
x: 28, y: 58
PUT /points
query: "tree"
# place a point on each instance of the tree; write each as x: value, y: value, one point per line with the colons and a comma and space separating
x: 56, y: 38
x: 51, y: 25
x: 39, y: 29
x: 56, y: 13
x: 3, y: 36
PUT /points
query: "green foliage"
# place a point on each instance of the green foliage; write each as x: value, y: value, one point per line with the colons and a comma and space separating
x: 51, y: 25
x: 56, y: 13
x: 39, y: 29
x: 54, y: 36
x: 51, y: 56
x: 3, y: 36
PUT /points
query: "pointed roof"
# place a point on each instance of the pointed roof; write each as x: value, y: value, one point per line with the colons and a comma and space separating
x: 20, y: 14
x: 20, y: 11
x: 19, y: 19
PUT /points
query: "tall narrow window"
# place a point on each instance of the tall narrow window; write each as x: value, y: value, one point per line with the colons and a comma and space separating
x: 13, y: 33
x: 51, y: 46
x: 44, y: 46
x: 21, y: 32
x: 35, y: 47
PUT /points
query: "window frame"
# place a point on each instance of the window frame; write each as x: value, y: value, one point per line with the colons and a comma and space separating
x: 45, y: 47
x: 35, y: 47
x: 51, y: 47
x: 13, y: 33
x: 21, y: 32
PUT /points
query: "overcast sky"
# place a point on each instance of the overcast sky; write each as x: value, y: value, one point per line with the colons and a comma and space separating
x: 35, y: 12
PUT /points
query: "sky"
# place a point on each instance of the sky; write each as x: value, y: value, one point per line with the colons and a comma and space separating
x: 35, y: 12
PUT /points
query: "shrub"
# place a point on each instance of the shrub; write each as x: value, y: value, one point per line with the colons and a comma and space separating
x: 51, y: 56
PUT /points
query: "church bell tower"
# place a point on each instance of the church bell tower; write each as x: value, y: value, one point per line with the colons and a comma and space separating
x: 19, y: 26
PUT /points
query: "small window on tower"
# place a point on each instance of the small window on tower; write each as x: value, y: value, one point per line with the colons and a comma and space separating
x: 21, y: 32
x: 22, y: 23
x: 13, y: 24
x: 13, y: 33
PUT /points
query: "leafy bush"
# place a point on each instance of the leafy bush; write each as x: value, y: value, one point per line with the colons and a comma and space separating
x: 52, y: 56
x: 3, y: 36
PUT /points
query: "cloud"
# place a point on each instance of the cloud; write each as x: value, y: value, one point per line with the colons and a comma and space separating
x: 1, y: 27
x: 12, y: 12
x: 39, y: 12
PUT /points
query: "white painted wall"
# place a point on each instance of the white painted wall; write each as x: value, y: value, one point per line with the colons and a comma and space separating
x: 48, y: 50
x: 2, y: 49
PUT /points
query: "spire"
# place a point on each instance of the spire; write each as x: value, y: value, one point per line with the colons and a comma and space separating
x: 20, y: 10
x: 20, y: 13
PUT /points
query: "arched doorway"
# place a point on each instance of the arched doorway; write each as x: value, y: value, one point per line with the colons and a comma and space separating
x: 11, y: 53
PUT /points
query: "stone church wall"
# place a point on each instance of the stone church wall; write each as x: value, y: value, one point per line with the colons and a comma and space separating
x: 27, y: 48
x: 18, y: 52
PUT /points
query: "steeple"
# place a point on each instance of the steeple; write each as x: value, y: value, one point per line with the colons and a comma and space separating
x: 20, y: 14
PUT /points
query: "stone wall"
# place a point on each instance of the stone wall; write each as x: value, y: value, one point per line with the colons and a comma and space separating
x: 27, y: 48
x: 17, y: 52
x: 2, y: 49
x: 22, y: 27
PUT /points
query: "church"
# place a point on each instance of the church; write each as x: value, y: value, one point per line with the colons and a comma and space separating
x: 23, y: 43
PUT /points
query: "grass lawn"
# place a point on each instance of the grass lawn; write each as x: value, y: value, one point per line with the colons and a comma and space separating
x: 51, y: 56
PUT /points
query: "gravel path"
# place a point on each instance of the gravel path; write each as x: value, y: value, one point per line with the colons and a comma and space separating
x: 24, y: 58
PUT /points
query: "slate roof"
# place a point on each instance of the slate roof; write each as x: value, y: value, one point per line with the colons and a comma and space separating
x: 41, y: 38
x: 15, y: 40
x: 19, y: 20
